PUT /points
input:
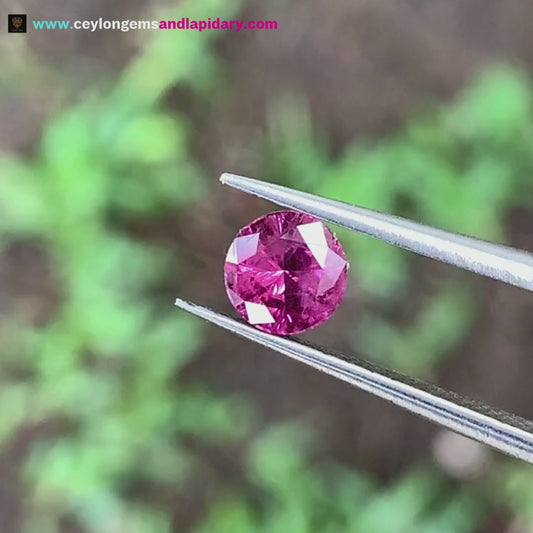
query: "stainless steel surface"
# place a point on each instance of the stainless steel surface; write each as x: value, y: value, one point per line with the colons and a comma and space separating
x: 499, y: 262
x: 503, y: 431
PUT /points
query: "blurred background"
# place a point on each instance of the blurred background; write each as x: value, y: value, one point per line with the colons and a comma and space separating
x: 119, y: 413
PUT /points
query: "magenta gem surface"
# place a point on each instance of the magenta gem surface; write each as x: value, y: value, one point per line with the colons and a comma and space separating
x: 285, y: 272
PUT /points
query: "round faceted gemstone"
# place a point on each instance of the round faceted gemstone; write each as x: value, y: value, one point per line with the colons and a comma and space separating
x: 285, y: 272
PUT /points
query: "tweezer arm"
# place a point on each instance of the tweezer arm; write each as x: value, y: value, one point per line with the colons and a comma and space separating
x: 503, y: 431
x: 499, y: 262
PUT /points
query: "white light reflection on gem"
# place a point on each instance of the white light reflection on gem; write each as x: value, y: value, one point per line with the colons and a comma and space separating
x: 334, y: 266
x: 242, y: 248
x: 258, y: 313
x: 315, y: 238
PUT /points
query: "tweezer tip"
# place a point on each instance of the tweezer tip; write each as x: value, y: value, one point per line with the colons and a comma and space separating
x: 227, y: 178
x: 182, y: 304
x: 224, y: 177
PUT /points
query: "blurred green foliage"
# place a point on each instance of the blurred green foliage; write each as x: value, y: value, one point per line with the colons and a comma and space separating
x: 102, y: 371
x: 292, y: 496
x: 99, y: 380
x: 462, y: 168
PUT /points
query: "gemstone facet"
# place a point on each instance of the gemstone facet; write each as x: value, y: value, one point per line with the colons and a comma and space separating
x: 285, y: 272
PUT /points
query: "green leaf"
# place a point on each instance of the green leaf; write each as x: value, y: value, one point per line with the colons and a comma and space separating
x: 23, y: 209
x: 497, y: 106
x: 150, y: 138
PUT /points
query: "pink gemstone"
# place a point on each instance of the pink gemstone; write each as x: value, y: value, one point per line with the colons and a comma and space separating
x: 285, y: 272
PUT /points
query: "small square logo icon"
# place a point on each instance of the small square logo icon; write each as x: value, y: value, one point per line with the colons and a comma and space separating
x: 16, y: 23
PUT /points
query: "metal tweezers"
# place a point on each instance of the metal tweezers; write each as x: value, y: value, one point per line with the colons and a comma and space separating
x: 506, y: 432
